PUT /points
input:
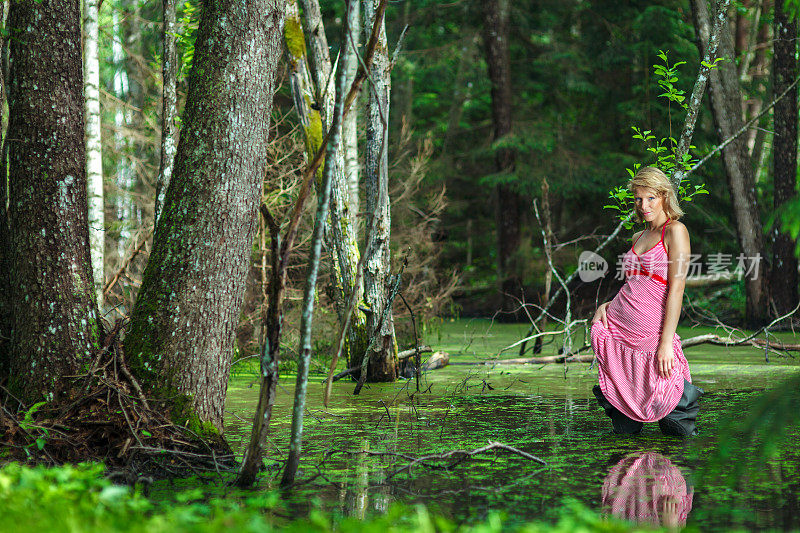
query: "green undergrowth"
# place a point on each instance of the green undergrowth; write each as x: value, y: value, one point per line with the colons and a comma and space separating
x: 77, y: 498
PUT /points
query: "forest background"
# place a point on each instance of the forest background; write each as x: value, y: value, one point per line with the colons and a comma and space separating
x: 496, y: 108
x: 581, y: 77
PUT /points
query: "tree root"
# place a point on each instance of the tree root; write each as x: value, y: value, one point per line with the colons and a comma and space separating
x: 107, y: 417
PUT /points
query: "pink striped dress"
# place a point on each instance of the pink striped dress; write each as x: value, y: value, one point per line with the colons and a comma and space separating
x: 635, y: 489
x: 626, y: 350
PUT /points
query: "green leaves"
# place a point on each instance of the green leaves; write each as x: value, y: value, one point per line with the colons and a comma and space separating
x: 713, y: 64
x: 667, y: 76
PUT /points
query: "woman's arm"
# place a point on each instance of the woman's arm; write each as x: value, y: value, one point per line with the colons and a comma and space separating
x: 679, y: 254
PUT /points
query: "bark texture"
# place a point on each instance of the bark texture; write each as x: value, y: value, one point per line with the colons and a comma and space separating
x: 340, y: 232
x: 783, y: 275
x: 55, y: 325
x: 509, y: 203
x: 350, y: 127
x: 383, y: 359
x: 6, y: 317
x: 726, y: 105
x: 94, y: 153
x: 307, y: 314
x: 183, y: 325
x: 169, y: 111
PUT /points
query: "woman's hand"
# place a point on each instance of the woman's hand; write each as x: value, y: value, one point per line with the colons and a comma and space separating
x: 665, y: 360
x: 600, y: 314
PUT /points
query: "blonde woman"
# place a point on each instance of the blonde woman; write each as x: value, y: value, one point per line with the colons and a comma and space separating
x: 643, y: 374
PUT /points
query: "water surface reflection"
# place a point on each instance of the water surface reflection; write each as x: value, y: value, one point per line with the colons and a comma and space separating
x: 646, y: 487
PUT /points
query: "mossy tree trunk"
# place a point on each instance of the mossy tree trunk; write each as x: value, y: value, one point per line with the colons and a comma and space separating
x: 54, y: 312
x: 340, y: 231
x: 307, y: 313
x: 382, y: 364
x: 183, y: 325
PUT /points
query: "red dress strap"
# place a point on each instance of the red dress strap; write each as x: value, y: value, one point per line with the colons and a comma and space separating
x: 662, y: 234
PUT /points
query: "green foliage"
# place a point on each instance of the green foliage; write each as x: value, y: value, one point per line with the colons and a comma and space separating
x: 185, y: 37
x: 663, y: 150
x: 792, y: 8
x: 37, y: 435
x: 78, y: 499
x: 667, y: 77
x: 27, y: 421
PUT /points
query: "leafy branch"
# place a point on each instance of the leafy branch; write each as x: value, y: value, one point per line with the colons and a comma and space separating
x: 664, y: 150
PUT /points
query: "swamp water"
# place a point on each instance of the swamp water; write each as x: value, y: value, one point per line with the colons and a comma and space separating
x: 544, y: 410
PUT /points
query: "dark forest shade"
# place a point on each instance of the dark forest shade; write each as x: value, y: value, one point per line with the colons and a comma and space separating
x: 783, y: 274
x: 183, y: 325
x: 508, y: 201
x: 54, y: 311
x: 5, y: 266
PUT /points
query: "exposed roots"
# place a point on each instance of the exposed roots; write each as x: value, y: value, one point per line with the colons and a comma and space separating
x: 106, y: 417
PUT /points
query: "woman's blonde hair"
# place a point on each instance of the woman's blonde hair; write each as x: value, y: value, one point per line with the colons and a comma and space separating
x: 655, y: 179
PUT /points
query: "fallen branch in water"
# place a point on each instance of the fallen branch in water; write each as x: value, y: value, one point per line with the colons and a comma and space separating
x: 713, y: 338
x: 534, y: 360
x: 400, y: 356
x: 461, y: 454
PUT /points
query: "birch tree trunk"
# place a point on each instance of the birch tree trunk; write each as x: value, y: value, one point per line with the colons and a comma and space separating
x: 94, y: 154
x: 508, y: 204
x: 340, y: 235
x: 184, y: 322
x: 726, y: 105
x: 783, y: 275
x: 55, y: 325
x: 350, y: 128
x: 169, y: 113
x: 382, y: 362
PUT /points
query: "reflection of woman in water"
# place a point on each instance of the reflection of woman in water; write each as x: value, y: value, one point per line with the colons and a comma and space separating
x: 647, y: 488
x: 643, y: 374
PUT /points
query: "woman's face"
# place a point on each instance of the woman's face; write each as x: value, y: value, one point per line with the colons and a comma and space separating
x: 648, y: 203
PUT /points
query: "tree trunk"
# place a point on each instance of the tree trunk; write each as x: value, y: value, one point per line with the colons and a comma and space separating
x: 184, y: 322
x: 94, y: 155
x: 169, y: 112
x: 726, y: 104
x: 304, y: 361
x: 382, y: 364
x: 54, y: 307
x: 783, y: 274
x: 269, y: 356
x: 350, y: 129
x: 6, y: 317
x: 340, y: 234
x: 508, y: 203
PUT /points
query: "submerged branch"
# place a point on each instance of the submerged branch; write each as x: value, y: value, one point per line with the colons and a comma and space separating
x: 460, y: 455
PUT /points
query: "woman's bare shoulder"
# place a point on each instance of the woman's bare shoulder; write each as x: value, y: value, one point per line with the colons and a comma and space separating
x: 636, y: 235
x: 676, y: 232
x: 676, y: 228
